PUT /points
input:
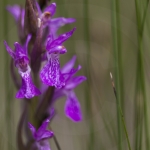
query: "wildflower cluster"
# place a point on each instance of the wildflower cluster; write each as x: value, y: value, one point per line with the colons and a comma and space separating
x: 36, y: 57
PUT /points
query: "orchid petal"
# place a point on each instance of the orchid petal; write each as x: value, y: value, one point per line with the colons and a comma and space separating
x: 50, y: 38
x: 56, y: 23
x: 75, y: 82
x: 51, y: 9
x: 15, y: 10
x: 69, y: 65
x: 72, y: 108
x: 9, y: 50
x: 61, y: 21
x: 43, y: 126
x: 44, y: 135
x: 32, y: 128
x: 26, y: 43
x: 68, y: 76
x: 19, y: 51
x: 62, y: 38
x: 58, y: 50
x: 42, y: 132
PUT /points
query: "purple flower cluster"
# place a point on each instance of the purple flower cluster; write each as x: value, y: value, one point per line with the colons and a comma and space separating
x: 60, y: 81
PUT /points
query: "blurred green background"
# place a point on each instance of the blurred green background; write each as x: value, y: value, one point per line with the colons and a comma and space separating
x: 111, y: 36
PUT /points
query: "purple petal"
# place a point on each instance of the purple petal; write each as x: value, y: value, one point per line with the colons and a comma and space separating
x: 58, y: 50
x: 19, y: 51
x: 72, y: 108
x: 32, y: 128
x: 68, y: 76
x: 43, y: 126
x: 69, y: 65
x: 50, y: 38
x: 9, y: 50
x: 15, y: 10
x: 42, y: 132
x: 26, y: 43
x: 75, y: 82
x: 44, y: 135
x: 50, y: 74
x: 51, y: 9
x: 61, y: 21
x: 62, y: 38
x: 56, y: 23
x: 40, y: 145
x: 28, y: 89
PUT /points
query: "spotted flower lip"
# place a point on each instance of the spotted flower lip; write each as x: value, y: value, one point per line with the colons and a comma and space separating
x: 72, y: 106
x: 50, y: 73
x: 41, y: 133
x: 28, y: 89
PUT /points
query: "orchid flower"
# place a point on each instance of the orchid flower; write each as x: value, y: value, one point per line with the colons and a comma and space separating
x: 28, y: 89
x: 41, y: 133
x: 40, y: 136
x: 50, y: 73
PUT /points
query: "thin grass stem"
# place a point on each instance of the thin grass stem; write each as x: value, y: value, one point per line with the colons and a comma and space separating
x: 120, y: 112
x: 117, y: 47
x: 140, y: 30
x: 88, y: 61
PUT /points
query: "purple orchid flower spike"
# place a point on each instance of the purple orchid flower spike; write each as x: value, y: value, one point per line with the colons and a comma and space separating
x: 56, y: 23
x: 51, y: 74
x: 28, y: 89
x: 41, y: 133
x: 72, y: 105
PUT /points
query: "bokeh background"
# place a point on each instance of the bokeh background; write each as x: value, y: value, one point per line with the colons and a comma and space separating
x: 111, y: 36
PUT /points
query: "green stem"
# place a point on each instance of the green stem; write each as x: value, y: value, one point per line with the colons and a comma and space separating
x: 138, y: 111
x: 88, y: 61
x: 118, y: 63
x: 121, y: 114
x: 125, y: 129
x: 140, y: 29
